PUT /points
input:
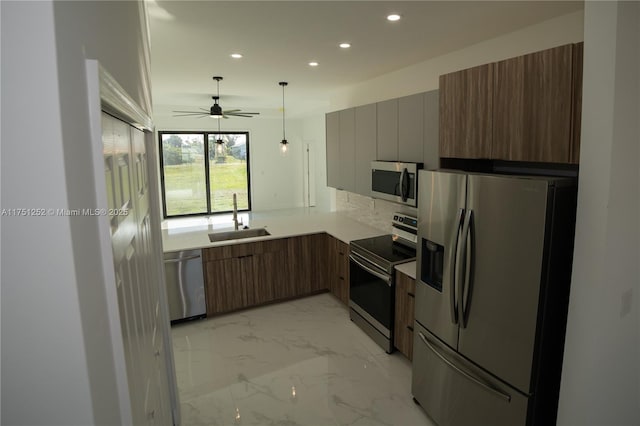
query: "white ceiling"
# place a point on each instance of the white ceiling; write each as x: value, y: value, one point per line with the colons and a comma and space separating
x: 191, y: 41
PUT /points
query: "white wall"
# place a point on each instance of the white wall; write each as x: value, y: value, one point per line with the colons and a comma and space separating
x: 601, y: 376
x: 44, y: 367
x: 57, y: 359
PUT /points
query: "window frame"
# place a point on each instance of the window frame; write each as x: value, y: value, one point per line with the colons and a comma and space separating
x: 207, y: 174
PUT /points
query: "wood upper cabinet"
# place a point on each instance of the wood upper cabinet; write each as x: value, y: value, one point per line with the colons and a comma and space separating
x: 525, y: 108
x: 410, y: 128
x: 533, y: 107
x: 366, y: 131
x: 578, y: 54
x: 387, y: 130
x: 405, y: 314
x: 466, y: 102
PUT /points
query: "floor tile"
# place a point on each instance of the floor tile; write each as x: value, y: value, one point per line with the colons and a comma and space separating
x: 301, y: 362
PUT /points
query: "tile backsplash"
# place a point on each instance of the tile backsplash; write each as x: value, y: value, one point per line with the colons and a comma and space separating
x: 370, y: 211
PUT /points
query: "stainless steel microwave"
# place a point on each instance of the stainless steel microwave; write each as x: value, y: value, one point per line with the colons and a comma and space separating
x: 397, y: 182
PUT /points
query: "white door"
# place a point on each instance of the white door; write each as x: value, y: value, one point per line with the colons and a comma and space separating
x: 136, y: 275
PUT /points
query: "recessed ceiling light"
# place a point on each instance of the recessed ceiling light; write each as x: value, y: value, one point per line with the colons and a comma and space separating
x: 393, y: 17
x: 313, y: 64
x: 345, y: 45
x: 236, y: 55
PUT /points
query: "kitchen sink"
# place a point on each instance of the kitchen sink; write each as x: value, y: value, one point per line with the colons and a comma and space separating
x: 240, y: 233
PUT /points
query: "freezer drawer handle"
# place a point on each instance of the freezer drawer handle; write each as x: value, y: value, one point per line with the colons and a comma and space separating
x: 385, y: 278
x: 182, y: 259
x: 464, y: 373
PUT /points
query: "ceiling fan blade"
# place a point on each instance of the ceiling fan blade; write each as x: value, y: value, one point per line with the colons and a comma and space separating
x: 189, y: 115
x: 192, y: 112
x: 231, y: 111
x: 242, y: 113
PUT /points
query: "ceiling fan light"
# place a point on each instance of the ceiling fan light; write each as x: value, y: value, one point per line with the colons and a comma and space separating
x: 216, y: 111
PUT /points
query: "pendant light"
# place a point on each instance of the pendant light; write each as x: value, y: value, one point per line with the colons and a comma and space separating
x: 219, y: 142
x: 283, y: 144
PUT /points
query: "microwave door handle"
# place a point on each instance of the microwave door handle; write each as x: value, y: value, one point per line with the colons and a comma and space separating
x: 453, y: 282
x: 404, y: 184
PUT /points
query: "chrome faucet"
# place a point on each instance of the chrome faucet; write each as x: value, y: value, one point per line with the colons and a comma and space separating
x: 235, y: 212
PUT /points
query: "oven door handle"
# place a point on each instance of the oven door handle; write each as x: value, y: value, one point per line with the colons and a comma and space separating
x: 386, y: 278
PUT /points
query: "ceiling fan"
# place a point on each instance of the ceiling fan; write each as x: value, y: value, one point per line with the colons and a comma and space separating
x: 216, y: 110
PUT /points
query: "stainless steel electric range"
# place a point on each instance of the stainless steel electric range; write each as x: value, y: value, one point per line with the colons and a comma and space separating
x: 372, y: 278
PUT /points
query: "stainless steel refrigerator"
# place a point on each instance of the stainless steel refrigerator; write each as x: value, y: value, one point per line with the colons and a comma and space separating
x: 493, y: 274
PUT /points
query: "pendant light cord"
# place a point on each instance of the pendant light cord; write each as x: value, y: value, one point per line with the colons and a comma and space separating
x: 284, y: 136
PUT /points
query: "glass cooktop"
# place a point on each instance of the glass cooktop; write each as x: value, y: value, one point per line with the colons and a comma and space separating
x: 387, y: 248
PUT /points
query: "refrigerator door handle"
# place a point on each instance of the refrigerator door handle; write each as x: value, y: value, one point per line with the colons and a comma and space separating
x: 467, y: 248
x: 461, y: 262
x: 453, y: 265
x: 466, y: 374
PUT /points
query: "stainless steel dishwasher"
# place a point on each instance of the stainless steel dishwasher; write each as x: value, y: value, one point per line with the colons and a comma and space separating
x: 185, y: 285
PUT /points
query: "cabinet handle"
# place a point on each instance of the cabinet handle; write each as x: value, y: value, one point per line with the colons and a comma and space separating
x: 411, y: 294
x: 410, y: 328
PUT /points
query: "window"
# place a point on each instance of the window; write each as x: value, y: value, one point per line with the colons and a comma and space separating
x: 197, y: 178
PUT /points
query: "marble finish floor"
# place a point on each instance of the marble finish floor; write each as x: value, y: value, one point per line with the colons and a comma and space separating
x: 301, y: 362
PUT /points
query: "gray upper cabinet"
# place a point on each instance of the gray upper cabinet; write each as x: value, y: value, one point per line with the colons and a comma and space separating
x: 387, y: 125
x: 347, y: 144
x: 402, y: 129
x: 431, y: 159
x: 410, y: 128
x: 333, y: 146
x: 365, y: 116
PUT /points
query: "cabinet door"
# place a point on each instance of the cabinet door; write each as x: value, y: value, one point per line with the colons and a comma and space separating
x: 300, y: 260
x: 226, y: 288
x: 387, y: 129
x: 576, y: 120
x: 403, y: 327
x: 431, y: 158
x: 342, y: 283
x: 365, y: 146
x: 268, y: 272
x: 347, y: 143
x: 333, y: 154
x: 410, y: 128
x: 466, y: 111
x: 319, y: 262
x: 533, y: 107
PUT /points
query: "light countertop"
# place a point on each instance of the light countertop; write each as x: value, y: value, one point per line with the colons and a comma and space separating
x: 408, y: 268
x: 192, y: 233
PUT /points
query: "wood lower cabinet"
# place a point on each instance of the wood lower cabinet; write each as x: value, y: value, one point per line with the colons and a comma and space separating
x: 243, y: 275
x: 226, y: 284
x: 405, y: 314
x: 339, y: 269
x: 307, y: 266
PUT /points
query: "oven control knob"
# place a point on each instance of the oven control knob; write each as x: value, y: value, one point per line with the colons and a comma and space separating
x: 395, y: 217
x: 402, y: 219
